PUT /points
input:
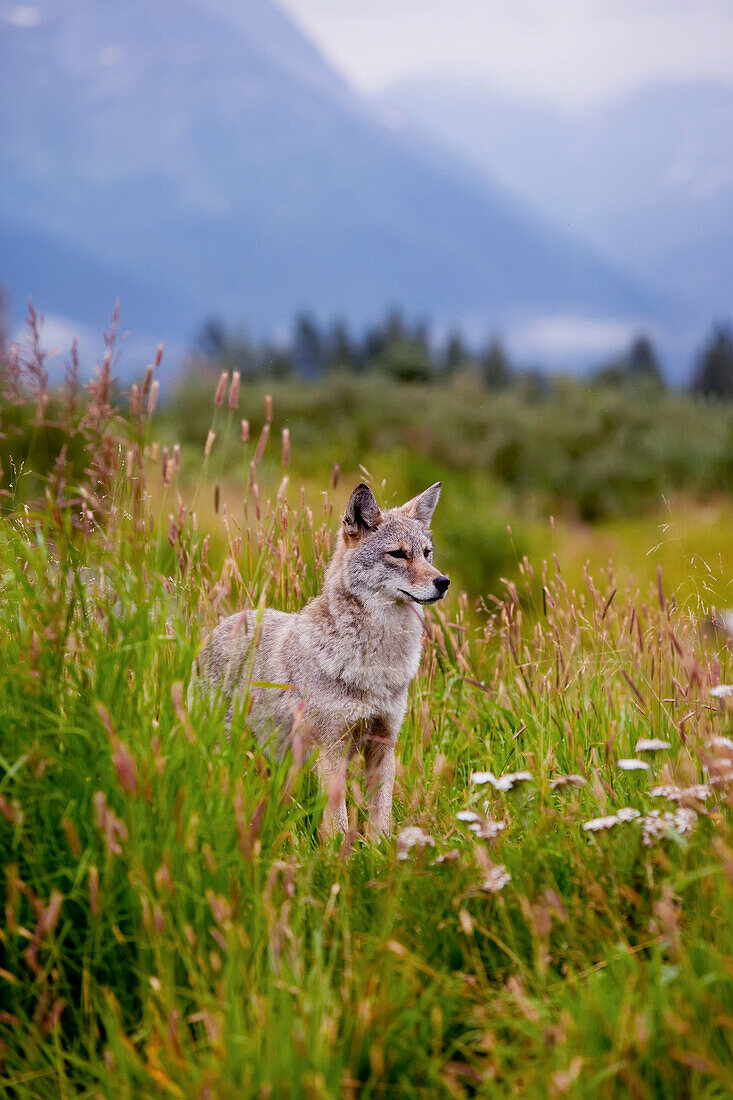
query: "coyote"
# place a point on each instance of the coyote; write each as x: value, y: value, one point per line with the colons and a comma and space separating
x: 335, y: 675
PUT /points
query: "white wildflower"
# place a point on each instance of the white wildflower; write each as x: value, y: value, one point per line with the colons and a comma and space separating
x: 479, y: 778
x: 685, y: 820
x: 651, y: 744
x: 632, y: 765
x: 720, y: 743
x: 467, y: 815
x: 412, y: 837
x: 722, y: 691
x: 503, y: 782
x: 598, y: 824
x: 511, y: 779
x: 448, y: 857
x: 487, y: 829
x: 699, y: 791
x: 567, y: 781
x: 627, y: 813
x: 496, y: 879
x: 656, y: 826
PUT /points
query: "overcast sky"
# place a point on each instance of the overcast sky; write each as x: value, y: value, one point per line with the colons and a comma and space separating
x: 564, y: 51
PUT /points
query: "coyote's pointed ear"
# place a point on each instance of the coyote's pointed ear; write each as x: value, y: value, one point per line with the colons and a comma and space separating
x: 362, y: 512
x: 423, y: 506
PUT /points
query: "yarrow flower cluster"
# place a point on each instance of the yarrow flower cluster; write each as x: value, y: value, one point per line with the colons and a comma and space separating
x: 496, y: 879
x: 658, y: 826
x: 412, y: 836
x: 655, y: 825
x: 627, y: 813
x: 698, y: 792
x: 503, y: 782
x: 484, y: 827
x: 599, y: 824
x: 632, y: 765
x: 488, y: 828
x: 651, y: 744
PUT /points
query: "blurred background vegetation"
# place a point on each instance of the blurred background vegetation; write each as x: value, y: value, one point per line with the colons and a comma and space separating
x: 614, y: 465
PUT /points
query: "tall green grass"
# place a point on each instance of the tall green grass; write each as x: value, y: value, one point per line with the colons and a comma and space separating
x: 173, y: 927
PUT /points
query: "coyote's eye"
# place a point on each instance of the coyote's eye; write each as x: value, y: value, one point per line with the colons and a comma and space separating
x: 428, y: 551
x: 396, y: 554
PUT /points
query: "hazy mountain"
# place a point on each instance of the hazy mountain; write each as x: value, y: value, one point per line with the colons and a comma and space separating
x: 74, y: 283
x: 646, y: 179
x: 206, y: 157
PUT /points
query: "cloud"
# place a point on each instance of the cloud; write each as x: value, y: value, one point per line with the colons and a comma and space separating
x: 58, y: 333
x: 57, y: 336
x: 569, y: 52
x: 24, y: 16
x: 111, y: 56
x: 557, y: 337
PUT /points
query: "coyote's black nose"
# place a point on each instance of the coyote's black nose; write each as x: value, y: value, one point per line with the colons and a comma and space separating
x: 441, y: 583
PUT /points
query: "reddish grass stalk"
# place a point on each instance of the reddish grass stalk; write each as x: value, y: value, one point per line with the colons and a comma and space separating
x: 234, y: 390
x: 219, y: 395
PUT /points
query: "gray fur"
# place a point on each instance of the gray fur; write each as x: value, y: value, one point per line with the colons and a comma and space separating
x: 348, y: 657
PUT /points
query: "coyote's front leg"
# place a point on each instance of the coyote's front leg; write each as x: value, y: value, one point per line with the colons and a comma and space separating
x: 331, y: 767
x: 379, y: 766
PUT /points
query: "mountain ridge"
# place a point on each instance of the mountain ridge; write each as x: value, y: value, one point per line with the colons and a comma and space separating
x: 643, y: 177
x: 205, y: 163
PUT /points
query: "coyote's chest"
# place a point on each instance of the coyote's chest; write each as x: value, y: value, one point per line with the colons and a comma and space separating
x: 362, y: 669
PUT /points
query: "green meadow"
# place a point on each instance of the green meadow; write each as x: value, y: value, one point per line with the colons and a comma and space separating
x: 546, y: 920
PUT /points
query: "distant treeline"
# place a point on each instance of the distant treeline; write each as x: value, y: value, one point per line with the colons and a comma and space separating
x: 530, y: 442
x: 404, y: 352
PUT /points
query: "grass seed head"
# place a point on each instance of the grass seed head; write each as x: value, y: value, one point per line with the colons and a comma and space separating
x: 153, y: 397
x: 148, y: 379
x: 568, y: 781
x: 221, y: 386
x: 261, y: 444
x: 234, y: 390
